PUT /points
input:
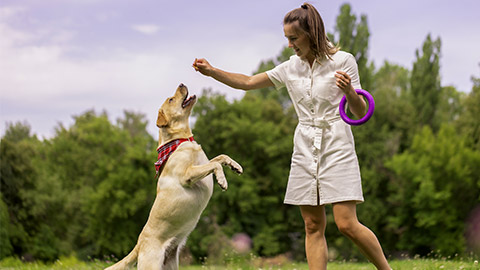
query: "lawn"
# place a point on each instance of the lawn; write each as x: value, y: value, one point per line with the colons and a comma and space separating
x: 414, y: 264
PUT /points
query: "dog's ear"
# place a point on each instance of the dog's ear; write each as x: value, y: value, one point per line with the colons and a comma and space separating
x: 162, y: 120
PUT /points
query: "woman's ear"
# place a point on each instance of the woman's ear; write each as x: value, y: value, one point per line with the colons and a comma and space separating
x: 162, y: 120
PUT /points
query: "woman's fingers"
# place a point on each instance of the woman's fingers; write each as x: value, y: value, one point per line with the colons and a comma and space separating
x: 195, y: 64
x: 201, y: 65
x: 343, y: 80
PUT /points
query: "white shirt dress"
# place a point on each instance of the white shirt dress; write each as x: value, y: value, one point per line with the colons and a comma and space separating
x: 324, y: 167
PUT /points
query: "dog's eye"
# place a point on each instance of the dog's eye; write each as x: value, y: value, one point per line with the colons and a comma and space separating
x: 170, y: 100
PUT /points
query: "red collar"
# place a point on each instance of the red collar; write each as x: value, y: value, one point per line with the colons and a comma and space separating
x: 166, y: 150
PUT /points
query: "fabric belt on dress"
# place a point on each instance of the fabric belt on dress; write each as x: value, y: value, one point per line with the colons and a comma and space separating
x: 320, y: 124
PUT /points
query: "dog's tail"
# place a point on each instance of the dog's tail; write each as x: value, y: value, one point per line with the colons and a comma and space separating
x: 126, y: 262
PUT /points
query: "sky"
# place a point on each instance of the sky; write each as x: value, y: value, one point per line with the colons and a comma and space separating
x: 61, y: 58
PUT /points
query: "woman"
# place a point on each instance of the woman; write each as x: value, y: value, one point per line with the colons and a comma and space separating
x: 324, y: 168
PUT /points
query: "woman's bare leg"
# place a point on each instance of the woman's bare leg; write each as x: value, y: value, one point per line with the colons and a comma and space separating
x: 315, y: 221
x: 345, y: 214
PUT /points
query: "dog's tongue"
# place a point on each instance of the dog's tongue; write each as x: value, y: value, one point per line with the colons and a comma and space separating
x: 187, y: 101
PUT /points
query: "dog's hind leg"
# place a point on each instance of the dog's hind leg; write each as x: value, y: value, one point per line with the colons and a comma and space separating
x: 172, y: 254
x: 126, y: 262
x: 170, y: 261
x: 151, y: 258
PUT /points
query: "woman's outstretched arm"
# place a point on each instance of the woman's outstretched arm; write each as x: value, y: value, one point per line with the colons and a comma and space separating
x: 234, y: 80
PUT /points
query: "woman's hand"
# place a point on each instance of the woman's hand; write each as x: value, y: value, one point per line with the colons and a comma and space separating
x: 344, y: 82
x: 356, y: 103
x: 202, y: 66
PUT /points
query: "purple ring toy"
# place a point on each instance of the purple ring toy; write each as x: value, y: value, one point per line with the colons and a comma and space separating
x: 371, y: 108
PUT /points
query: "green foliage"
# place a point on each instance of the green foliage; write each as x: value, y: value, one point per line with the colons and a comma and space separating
x: 6, y: 248
x: 428, y: 178
x: 449, y: 106
x: 78, y: 191
x: 107, y: 171
x: 425, y: 82
x: 17, y: 148
x: 468, y: 122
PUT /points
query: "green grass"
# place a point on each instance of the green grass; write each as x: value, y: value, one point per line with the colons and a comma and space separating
x: 408, y: 264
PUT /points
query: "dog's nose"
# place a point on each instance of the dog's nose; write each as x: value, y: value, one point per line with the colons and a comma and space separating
x: 181, y: 85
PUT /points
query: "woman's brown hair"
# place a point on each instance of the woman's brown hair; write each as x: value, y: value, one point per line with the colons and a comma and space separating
x: 311, y: 24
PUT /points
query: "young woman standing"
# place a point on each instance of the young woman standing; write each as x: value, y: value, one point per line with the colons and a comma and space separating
x: 324, y: 168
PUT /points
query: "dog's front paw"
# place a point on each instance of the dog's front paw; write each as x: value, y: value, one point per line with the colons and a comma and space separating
x: 222, y: 181
x: 236, y: 167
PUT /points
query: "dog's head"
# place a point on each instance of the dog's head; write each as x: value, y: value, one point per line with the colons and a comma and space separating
x: 175, y: 110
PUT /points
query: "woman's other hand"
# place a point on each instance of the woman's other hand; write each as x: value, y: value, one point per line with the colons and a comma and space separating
x: 344, y: 82
x: 356, y: 103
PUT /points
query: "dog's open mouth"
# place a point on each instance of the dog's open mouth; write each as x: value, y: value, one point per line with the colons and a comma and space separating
x: 188, y: 100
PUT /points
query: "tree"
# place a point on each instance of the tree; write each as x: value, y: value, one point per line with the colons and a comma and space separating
x: 106, y: 171
x: 118, y: 205
x: 6, y: 248
x: 449, y: 105
x: 393, y: 109
x: 18, y: 149
x: 86, y: 191
x: 468, y: 122
x: 428, y: 178
x: 425, y: 82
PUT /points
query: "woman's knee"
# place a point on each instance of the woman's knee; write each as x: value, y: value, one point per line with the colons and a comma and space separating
x: 314, y: 219
x: 348, y: 228
x: 314, y: 225
x: 345, y: 216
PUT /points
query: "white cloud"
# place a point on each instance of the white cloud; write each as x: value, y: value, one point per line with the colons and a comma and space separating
x: 9, y: 12
x: 147, y: 29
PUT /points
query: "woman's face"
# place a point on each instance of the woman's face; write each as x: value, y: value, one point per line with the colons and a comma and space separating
x: 298, y: 41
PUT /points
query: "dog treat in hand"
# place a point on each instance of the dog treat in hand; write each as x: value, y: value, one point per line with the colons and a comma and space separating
x: 195, y: 65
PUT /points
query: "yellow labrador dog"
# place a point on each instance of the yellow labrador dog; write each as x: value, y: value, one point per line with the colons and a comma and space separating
x: 184, y: 188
